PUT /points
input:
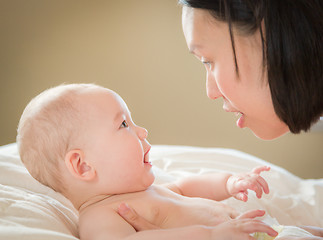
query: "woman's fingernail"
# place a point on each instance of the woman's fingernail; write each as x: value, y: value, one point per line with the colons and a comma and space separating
x: 124, y: 208
x: 274, y: 234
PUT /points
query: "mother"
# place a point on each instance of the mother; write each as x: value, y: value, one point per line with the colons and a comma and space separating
x: 263, y: 57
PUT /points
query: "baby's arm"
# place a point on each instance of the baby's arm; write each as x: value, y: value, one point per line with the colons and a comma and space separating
x: 220, y: 186
x: 103, y: 223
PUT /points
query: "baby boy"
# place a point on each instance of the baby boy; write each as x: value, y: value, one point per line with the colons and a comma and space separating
x: 80, y: 140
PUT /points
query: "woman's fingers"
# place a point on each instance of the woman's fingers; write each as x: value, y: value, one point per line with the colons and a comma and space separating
x: 136, y: 221
x: 243, y: 227
x: 258, y: 226
x: 252, y: 214
x: 252, y: 226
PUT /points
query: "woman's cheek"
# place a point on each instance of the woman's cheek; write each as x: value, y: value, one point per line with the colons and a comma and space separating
x: 225, y: 85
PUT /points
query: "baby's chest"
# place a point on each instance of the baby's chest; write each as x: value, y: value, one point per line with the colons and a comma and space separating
x: 198, y: 212
x: 169, y: 212
x: 157, y: 209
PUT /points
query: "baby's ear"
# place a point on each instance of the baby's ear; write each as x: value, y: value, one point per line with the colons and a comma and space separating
x: 77, y: 166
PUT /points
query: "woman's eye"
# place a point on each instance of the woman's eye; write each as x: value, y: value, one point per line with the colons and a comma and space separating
x: 208, y: 64
x: 124, y: 124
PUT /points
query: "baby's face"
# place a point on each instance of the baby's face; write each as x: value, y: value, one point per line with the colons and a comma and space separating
x: 115, y: 145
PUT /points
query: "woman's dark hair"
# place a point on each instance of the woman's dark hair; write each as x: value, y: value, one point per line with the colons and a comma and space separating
x: 292, y: 50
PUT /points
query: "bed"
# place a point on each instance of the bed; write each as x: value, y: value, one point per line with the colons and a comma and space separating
x: 29, y: 210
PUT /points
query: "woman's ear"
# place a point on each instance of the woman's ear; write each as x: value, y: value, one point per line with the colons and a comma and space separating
x: 78, y: 167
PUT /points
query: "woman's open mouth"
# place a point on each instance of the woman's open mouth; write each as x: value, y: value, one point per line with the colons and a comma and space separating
x: 240, y: 121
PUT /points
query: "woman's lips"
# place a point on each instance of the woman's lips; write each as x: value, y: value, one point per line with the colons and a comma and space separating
x: 240, y: 121
x: 240, y: 115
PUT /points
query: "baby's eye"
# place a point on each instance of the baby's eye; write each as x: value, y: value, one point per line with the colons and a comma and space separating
x: 124, y: 124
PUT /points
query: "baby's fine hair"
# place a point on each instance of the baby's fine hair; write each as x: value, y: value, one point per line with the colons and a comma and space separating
x: 46, y: 129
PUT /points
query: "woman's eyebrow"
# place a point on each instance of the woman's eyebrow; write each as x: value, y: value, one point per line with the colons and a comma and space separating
x: 192, y: 49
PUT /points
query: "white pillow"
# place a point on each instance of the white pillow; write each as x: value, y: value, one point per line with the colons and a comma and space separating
x: 28, y: 209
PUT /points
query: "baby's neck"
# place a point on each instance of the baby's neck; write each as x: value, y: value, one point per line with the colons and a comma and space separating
x: 92, y: 200
x: 82, y: 204
x: 82, y: 198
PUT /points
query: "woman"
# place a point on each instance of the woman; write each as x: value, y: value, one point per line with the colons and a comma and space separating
x: 264, y: 58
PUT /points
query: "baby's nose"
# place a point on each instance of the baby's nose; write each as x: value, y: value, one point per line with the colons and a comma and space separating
x: 142, y: 133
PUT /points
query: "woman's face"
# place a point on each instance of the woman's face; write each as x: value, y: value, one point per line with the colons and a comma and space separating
x: 248, y: 95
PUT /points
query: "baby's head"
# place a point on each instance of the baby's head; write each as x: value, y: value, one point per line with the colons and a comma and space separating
x: 82, y: 136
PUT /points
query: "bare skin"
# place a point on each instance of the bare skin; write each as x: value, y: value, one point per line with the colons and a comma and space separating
x: 164, y: 209
x: 140, y: 223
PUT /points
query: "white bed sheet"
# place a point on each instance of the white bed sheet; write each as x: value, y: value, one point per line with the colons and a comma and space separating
x: 31, y: 211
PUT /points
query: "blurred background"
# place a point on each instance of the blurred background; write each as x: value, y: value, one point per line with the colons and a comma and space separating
x: 137, y: 49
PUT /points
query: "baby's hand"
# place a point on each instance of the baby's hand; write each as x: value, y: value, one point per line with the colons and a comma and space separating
x: 238, y: 185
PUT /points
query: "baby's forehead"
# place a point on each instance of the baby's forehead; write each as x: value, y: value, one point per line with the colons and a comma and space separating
x: 102, y: 96
x: 104, y: 101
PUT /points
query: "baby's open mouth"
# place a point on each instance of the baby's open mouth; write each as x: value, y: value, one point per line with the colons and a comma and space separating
x: 146, y: 157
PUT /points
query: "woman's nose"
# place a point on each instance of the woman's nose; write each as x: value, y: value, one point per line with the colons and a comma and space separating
x: 212, y: 89
x: 142, y: 133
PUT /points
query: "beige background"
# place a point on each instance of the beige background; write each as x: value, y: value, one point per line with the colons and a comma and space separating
x: 137, y: 49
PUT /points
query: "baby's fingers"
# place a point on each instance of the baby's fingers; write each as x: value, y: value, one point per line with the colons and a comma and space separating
x: 252, y: 185
x: 263, y: 183
x: 258, y: 170
x: 243, y: 196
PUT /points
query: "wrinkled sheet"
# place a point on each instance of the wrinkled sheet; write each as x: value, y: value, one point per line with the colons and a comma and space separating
x: 31, y: 211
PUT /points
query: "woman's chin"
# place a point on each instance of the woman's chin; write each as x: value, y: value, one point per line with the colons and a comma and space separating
x: 270, y: 133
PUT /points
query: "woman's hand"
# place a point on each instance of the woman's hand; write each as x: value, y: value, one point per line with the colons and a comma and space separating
x: 316, y: 231
x: 239, y: 228
x: 130, y: 215
x: 300, y: 238
x: 238, y: 185
x: 140, y: 224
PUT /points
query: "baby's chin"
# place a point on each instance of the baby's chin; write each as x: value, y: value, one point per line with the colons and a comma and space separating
x: 151, y: 182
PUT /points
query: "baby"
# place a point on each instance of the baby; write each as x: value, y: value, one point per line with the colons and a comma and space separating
x: 80, y: 140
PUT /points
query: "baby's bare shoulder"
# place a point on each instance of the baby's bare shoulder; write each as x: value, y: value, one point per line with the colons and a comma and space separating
x: 95, y: 213
x: 102, y: 220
